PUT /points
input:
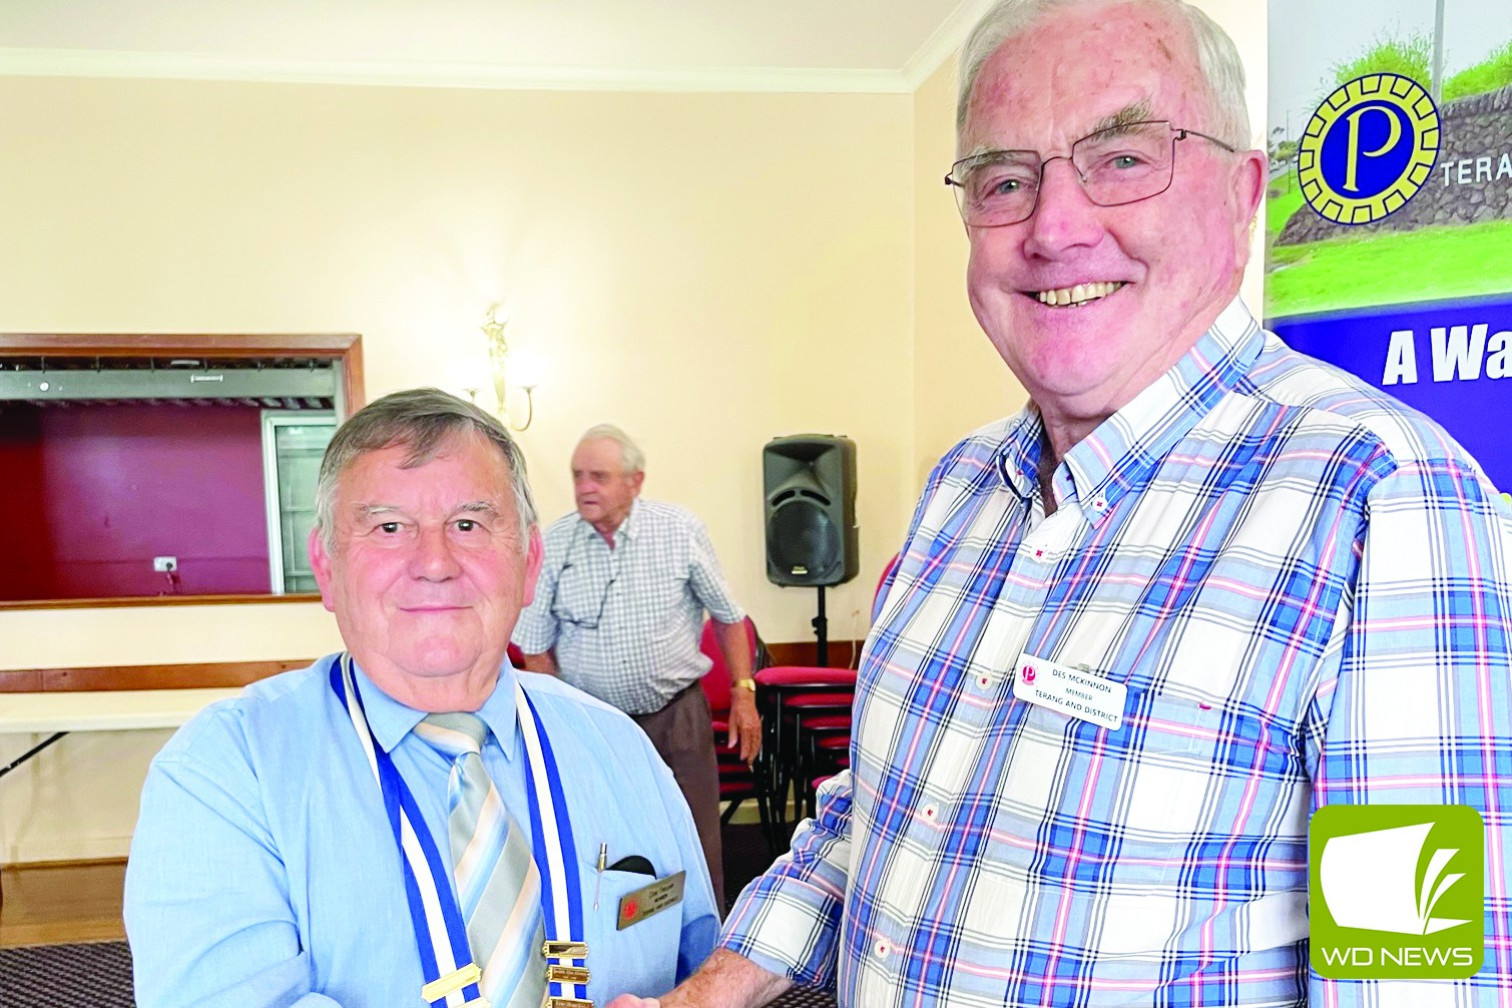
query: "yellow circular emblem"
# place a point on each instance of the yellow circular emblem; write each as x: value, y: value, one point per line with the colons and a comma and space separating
x: 1368, y: 148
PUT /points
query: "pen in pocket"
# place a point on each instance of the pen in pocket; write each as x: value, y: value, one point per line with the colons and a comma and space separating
x: 598, y: 880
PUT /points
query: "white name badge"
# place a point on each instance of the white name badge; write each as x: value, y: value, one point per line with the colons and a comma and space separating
x: 1069, y: 691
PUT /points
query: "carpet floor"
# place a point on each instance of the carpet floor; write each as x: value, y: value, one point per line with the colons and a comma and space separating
x: 98, y: 974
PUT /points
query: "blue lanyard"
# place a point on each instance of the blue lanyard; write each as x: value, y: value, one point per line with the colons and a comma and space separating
x: 451, y: 976
x: 556, y: 857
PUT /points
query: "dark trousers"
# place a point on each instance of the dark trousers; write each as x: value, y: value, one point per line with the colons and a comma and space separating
x: 683, y: 734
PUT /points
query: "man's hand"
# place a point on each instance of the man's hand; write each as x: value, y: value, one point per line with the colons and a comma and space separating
x: 726, y: 980
x: 745, y: 724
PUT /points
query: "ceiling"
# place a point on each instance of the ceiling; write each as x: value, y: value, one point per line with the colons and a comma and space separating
x: 715, y: 45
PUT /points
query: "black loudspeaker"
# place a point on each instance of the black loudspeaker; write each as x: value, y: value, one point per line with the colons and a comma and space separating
x: 810, y: 486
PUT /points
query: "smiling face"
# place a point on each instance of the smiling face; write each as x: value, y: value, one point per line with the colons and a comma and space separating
x: 427, y: 572
x: 1088, y: 305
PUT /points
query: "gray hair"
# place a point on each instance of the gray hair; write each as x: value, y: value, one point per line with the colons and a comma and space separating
x: 1217, y: 59
x: 632, y: 459
x: 424, y: 420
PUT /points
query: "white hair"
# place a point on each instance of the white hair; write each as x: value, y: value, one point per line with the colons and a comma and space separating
x: 1217, y: 58
x: 425, y: 421
x: 632, y: 459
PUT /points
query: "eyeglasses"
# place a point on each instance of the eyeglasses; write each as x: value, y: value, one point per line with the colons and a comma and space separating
x: 560, y: 612
x: 1118, y: 165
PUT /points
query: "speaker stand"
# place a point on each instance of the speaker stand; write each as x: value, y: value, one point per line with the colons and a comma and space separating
x: 821, y: 630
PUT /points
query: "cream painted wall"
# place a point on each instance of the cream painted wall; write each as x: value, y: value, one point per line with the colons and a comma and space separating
x: 709, y: 271
x: 959, y: 381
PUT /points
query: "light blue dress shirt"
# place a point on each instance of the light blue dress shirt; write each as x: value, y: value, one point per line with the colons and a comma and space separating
x: 263, y: 870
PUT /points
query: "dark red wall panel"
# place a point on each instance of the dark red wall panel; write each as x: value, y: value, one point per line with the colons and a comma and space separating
x: 91, y: 493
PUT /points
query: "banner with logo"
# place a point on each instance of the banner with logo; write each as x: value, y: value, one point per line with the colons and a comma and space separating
x: 1389, y: 207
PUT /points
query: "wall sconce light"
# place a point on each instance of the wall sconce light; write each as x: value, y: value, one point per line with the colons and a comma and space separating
x: 500, y: 362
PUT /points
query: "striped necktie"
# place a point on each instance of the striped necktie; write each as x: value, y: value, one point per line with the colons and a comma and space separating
x: 498, y: 884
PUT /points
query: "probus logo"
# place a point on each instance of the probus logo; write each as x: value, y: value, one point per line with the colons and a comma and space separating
x: 1397, y: 891
x: 1368, y: 148
x: 1028, y: 673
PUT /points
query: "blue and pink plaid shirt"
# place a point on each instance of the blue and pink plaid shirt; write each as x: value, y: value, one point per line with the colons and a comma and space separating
x: 1306, y: 589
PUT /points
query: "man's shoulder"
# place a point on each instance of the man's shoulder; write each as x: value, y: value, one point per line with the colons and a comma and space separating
x: 978, y: 450
x: 665, y: 523
x: 1332, y: 395
x: 665, y: 512
x: 561, y: 529
x: 589, y: 717
x: 989, y: 437
x: 283, y: 706
x: 559, y: 696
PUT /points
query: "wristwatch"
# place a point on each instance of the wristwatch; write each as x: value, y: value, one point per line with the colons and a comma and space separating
x: 749, y: 684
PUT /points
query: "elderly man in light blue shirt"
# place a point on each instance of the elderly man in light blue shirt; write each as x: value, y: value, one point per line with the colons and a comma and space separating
x: 281, y: 855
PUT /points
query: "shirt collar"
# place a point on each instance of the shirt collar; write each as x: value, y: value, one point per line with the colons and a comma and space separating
x: 1124, y: 450
x: 391, y: 720
x: 1018, y: 458
x: 626, y: 529
x: 630, y: 525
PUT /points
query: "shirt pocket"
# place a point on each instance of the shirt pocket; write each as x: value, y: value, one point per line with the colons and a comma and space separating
x: 1202, y: 782
x: 642, y: 958
x: 1130, y: 802
x: 1169, y: 751
x: 580, y: 594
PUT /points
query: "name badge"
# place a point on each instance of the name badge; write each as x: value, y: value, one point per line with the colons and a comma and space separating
x: 1072, y: 692
x: 654, y: 898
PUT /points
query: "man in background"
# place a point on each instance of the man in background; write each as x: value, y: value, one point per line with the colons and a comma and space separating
x: 1262, y: 586
x: 619, y: 612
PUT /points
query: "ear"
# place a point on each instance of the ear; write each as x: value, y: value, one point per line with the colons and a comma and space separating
x: 635, y: 483
x: 533, y: 555
x: 320, y: 564
x: 1248, y: 190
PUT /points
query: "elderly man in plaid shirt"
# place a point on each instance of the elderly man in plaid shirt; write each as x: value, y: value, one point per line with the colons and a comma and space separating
x: 618, y: 613
x: 1200, y: 588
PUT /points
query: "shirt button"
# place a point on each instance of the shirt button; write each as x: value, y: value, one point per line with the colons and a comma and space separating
x: 984, y: 681
x: 880, y: 949
x: 930, y: 812
x: 1100, y: 504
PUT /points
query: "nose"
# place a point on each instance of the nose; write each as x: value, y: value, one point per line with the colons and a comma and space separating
x: 1064, y: 218
x: 433, y: 559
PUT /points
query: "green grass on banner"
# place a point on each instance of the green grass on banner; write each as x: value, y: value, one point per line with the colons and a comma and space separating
x: 1410, y: 57
x: 1282, y: 199
x: 1389, y: 268
x: 1492, y: 73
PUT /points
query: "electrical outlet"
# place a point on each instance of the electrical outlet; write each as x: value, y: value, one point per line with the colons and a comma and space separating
x: 165, y: 565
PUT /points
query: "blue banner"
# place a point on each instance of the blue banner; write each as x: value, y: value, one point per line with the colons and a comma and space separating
x: 1389, y: 203
x: 1450, y: 359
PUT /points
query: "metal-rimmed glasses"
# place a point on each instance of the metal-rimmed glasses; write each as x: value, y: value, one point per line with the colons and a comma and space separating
x: 559, y: 612
x: 1121, y: 164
